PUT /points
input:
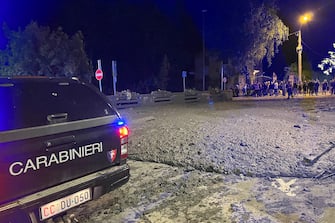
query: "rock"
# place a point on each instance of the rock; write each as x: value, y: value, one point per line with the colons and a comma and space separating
x: 243, y: 144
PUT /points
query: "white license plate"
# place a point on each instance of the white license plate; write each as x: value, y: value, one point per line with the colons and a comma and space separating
x: 58, y: 206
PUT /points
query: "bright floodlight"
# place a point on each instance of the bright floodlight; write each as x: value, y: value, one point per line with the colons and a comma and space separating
x: 305, y: 18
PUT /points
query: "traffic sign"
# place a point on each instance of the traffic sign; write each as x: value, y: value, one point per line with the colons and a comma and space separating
x: 184, y: 74
x: 98, y: 74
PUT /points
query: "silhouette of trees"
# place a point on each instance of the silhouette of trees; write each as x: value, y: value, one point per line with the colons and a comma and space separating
x: 40, y: 51
x: 263, y: 33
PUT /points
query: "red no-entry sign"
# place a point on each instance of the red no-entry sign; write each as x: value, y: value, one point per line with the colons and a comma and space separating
x: 98, y: 74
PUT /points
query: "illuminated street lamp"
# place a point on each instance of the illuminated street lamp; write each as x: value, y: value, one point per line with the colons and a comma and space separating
x: 303, y: 19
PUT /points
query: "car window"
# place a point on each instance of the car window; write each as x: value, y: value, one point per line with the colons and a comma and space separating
x: 32, y: 104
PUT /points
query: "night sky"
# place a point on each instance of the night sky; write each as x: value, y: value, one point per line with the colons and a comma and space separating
x: 318, y: 36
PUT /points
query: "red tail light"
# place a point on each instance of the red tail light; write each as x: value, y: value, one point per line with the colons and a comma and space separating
x: 124, y: 132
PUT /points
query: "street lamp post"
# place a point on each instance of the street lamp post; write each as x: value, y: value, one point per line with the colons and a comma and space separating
x: 203, y: 50
x: 303, y: 19
x: 299, y: 52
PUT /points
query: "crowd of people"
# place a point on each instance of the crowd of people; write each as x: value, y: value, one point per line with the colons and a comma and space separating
x: 285, y: 88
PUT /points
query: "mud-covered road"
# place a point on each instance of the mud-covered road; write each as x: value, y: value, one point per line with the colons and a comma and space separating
x: 245, y: 161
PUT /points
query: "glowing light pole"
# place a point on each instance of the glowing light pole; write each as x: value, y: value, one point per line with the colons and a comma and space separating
x: 303, y: 19
x: 203, y: 49
x: 299, y: 52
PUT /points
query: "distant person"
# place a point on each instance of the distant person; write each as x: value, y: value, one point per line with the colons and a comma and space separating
x: 311, y: 87
x: 245, y: 90
x: 295, y: 88
x: 276, y: 88
x: 264, y: 89
x: 283, y: 88
x: 257, y: 89
x: 316, y: 87
x: 305, y: 88
x: 324, y: 87
x: 289, y: 90
x: 235, y: 90
x: 271, y: 88
x: 299, y: 88
x: 332, y: 85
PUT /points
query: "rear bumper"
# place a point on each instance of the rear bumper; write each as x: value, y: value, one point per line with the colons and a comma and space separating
x: 101, y: 182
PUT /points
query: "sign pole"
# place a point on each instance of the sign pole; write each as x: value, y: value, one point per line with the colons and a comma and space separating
x: 222, y: 87
x: 114, y: 69
x: 100, y: 68
x: 100, y: 86
x: 184, y: 75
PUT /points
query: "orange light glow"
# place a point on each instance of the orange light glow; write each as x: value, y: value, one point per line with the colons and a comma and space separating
x: 305, y: 18
x: 123, y: 131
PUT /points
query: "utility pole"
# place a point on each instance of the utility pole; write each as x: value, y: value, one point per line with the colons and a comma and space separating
x: 299, y: 52
x: 303, y: 19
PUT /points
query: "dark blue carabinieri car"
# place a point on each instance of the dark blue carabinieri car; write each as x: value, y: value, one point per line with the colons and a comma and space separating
x: 62, y: 143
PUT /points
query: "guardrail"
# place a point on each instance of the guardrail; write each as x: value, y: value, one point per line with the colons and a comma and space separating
x: 161, y: 96
x: 126, y: 103
x: 127, y: 99
x: 191, y: 96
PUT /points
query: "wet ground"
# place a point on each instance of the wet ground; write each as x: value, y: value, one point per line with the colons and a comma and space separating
x: 240, y: 161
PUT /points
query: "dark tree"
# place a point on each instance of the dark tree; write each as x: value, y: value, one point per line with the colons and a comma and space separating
x: 40, y: 51
x: 264, y: 32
